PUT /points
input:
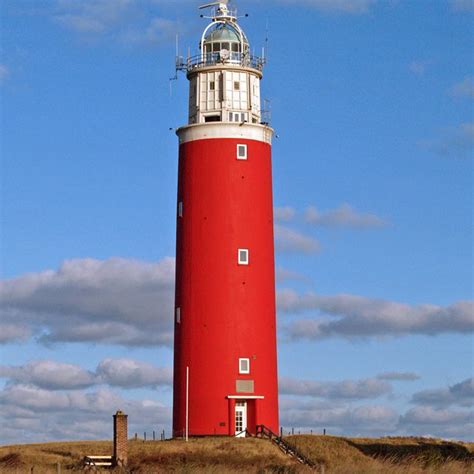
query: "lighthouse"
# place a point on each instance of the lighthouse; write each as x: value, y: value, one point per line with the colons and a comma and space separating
x: 225, y: 350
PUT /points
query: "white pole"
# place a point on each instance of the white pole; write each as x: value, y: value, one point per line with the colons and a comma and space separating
x: 187, y: 404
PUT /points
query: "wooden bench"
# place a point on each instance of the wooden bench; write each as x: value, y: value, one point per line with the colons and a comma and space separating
x: 98, y: 461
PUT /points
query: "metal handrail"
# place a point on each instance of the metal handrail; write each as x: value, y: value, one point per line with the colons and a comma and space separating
x: 288, y: 448
x: 213, y: 59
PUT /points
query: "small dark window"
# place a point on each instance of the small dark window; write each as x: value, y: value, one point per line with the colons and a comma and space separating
x: 212, y: 86
x: 241, y: 152
x: 243, y: 257
x: 213, y: 118
x: 235, y: 47
x: 216, y: 47
x: 237, y: 85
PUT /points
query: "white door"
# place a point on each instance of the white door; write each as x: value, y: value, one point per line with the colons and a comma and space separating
x: 240, y: 419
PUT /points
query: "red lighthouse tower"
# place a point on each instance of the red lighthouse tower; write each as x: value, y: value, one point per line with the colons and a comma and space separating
x: 225, y: 354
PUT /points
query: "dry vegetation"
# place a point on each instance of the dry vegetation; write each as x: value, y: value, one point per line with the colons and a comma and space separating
x: 228, y: 455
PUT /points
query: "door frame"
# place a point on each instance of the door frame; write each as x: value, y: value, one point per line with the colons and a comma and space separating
x: 242, y: 407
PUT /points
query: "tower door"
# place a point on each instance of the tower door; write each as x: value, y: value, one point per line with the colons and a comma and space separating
x: 240, y: 419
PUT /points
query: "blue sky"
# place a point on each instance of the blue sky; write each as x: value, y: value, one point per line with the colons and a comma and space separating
x: 372, y: 101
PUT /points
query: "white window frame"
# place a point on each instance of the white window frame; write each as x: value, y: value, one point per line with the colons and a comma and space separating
x: 180, y: 209
x: 178, y: 315
x: 243, y: 262
x: 244, y: 157
x: 241, y: 370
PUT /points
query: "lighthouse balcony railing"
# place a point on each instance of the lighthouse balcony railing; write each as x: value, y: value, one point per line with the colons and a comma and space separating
x: 213, y: 59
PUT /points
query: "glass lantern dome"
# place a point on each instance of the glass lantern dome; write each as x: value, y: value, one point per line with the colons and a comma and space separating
x: 228, y: 37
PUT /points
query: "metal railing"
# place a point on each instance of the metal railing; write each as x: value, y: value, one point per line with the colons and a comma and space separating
x: 287, y: 448
x: 212, y: 59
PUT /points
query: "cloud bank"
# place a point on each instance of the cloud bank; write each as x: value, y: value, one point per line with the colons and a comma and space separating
x: 115, y: 301
x: 343, y: 216
x: 352, y: 316
x: 289, y: 240
x: 52, y: 375
x: 335, y: 6
x: 130, y: 303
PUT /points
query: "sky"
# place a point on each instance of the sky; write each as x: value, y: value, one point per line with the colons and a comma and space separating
x: 372, y: 103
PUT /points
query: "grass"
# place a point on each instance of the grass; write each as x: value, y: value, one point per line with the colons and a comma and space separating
x: 255, y: 456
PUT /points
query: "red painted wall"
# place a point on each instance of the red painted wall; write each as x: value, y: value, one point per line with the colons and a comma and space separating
x: 227, y: 310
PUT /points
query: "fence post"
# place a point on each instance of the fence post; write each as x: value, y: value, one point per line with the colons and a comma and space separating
x: 324, y: 431
x: 292, y: 431
x: 311, y: 431
x: 144, y: 436
x: 136, y: 436
x: 281, y: 431
x: 153, y: 435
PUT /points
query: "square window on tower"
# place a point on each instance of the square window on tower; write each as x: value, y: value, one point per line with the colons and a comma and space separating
x: 244, y: 366
x: 243, y: 257
x: 212, y: 85
x: 237, y: 85
x: 241, y: 152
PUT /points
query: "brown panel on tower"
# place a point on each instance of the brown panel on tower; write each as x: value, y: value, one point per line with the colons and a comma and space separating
x: 244, y: 386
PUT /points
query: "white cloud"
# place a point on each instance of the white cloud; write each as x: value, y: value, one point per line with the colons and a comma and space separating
x: 342, y: 6
x: 125, y: 21
x: 92, y: 16
x: 419, y: 67
x: 463, y: 5
x: 35, y: 414
x: 289, y: 240
x: 52, y: 375
x: 284, y: 214
x: 352, y: 316
x: 431, y: 416
x: 283, y: 274
x: 4, y: 73
x: 49, y: 375
x: 116, y: 301
x: 344, y: 390
x: 339, y: 419
x: 13, y: 332
x: 400, y: 376
x: 461, y: 394
x: 129, y: 373
x: 465, y: 88
x: 158, y: 31
x: 343, y: 216
x: 455, y: 142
